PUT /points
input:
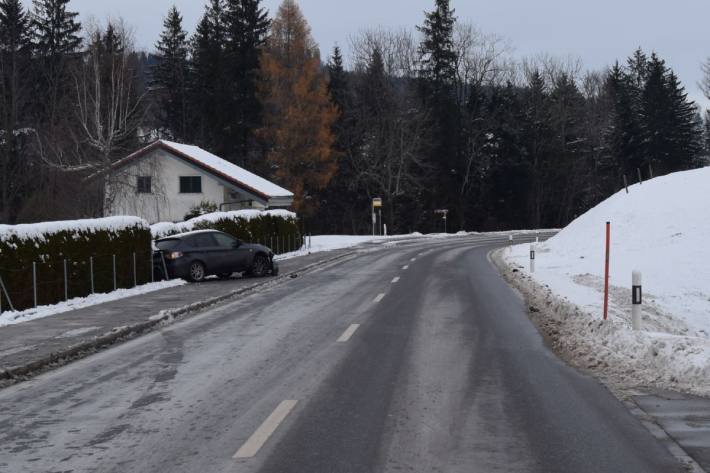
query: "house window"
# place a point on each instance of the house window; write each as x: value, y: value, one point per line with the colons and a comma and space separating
x: 190, y: 185
x: 144, y: 185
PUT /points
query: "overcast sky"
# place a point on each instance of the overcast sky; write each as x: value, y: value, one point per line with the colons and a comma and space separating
x: 598, y: 31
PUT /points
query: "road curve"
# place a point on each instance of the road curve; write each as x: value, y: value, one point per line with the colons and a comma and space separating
x: 360, y: 367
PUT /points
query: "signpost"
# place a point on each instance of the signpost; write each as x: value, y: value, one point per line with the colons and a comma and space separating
x: 445, y: 214
x: 376, y: 205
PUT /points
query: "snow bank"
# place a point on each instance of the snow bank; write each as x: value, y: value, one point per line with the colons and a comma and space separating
x: 38, y: 231
x: 11, y: 318
x: 660, y: 229
x: 162, y: 229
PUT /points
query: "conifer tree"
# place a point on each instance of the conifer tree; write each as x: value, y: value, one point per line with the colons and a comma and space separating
x: 437, y: 54
x: 209, y: 92
x: 171, y: 76
x: 14, y: 100
x: 623, y: 136
x: 246, y: 24
x: 299, y: 114
x: 56, y: 30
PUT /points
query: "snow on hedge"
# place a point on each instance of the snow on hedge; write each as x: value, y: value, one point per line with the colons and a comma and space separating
x: 167, y: 228
x: 660, y: 228
x: 39, y: 231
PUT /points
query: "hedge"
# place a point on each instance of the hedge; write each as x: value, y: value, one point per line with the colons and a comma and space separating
x: 48, y: 245
x: 277, y: 229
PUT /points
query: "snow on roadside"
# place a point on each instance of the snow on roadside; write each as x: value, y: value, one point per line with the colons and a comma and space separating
x: 12, y: 318
x: 323, y: 243
x: 659, y: 228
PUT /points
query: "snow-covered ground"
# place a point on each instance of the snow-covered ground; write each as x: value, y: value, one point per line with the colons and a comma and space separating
x: 660, y: 228
x: 11, y: 318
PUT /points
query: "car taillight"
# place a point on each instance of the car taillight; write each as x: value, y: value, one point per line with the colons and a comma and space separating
x: 173, y: 255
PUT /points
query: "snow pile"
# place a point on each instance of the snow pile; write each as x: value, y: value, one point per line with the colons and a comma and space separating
x: 38, y: 231
x: 660, y: 229
x: 12, y: 318
x: 163, y: 229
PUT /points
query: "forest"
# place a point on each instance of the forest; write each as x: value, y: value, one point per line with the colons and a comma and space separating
x: 441, y: 116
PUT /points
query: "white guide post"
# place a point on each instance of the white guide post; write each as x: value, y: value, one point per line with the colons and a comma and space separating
x: 636, y: 300
x: 532, y: 258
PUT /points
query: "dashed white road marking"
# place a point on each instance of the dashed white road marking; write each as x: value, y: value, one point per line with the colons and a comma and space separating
x: 395, y: 280
x: 379, y: 297
x: 252, y: 446
x: 405, y: 267
x: 413, y: 260
x: 348, y: 333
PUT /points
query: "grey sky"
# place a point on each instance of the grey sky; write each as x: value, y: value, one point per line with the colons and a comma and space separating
x: 599, y: 31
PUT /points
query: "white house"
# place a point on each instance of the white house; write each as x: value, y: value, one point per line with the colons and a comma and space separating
x: 165, y: 180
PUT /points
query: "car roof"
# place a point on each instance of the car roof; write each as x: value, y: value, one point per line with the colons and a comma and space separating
x: 180, y: 236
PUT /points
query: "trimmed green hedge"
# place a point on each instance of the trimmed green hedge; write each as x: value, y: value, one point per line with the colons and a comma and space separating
x: 50, y: 244
x: 277, y: 230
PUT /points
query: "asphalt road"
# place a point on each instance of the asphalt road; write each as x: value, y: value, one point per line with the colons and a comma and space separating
x: 363, y: 366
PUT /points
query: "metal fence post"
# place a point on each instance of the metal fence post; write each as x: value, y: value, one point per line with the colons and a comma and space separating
x: 7, y: 295
x: 66, y: 282
x: 115, y: 286
x: 135, y: 274
x: 34, y: 281
x: 91, y: 268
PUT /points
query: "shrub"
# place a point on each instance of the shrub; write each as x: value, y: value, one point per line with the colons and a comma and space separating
x: 50, y: 244
x: 204, y: 208
x: 277, y: 229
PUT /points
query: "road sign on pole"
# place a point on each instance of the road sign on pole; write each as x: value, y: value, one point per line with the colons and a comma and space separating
x: 445, y: 214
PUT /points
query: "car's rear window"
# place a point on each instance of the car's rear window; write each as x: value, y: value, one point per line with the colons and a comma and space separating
x: 167, y: 245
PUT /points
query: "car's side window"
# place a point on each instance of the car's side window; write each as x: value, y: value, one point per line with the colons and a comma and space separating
x: 203, y: 241
x: 224, y: 241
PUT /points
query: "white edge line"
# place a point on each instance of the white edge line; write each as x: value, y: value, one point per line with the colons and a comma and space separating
x: 252, y: 446
x: 379, y: 297
x: 347, y: 335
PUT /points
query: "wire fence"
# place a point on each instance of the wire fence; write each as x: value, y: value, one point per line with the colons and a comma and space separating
x: 52, y: 281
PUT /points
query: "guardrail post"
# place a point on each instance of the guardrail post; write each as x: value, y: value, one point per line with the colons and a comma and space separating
x: 115, y: 285
x: 66, y: 282
x: 636, y: 300
x: 34, y: 282
x: 91, y: 269
x: 532, y: 258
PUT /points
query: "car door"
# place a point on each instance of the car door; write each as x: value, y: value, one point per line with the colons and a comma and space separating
x: 208, y: 251
x: 236, y: 258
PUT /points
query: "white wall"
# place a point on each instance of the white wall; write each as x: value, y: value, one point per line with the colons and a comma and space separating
x: 166, y: 203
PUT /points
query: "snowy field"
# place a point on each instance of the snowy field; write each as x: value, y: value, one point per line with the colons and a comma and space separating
x: 660, y: 228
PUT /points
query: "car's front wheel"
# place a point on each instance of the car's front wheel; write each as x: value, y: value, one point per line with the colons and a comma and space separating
x: 197, y: 272
x: 260, y: 267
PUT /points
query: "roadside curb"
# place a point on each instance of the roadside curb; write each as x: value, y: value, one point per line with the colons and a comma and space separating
x: 164, y: 318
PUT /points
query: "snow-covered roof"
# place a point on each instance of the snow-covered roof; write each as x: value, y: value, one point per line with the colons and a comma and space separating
x: 217, y: 166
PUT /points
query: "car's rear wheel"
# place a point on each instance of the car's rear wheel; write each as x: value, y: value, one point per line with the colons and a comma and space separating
x: 197, y: 272
x: 260, y: 266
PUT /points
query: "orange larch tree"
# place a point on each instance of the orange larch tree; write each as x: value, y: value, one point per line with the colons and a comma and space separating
x: 298, y: 112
